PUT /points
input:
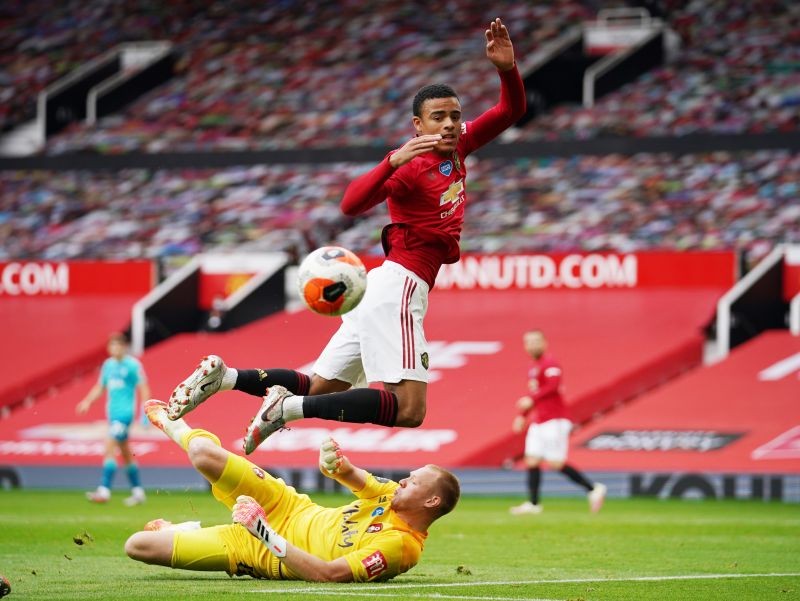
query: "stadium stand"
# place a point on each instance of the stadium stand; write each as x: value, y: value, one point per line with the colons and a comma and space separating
x: 225, y: 95
x: 637, y: 338
x: 741, y: 200
x: 740, y: 415
x: 736, y: 73
x: 56, y: 319
x: 43, y: 41
x: 49, y: 341
x: 239, y: 90
x: 260, y: 77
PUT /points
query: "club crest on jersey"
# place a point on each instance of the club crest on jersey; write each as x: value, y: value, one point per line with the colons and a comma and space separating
x: 446, y: 168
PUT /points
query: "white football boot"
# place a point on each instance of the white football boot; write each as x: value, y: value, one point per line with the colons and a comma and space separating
x: 201, y: 384
x: 101, y: 495
x: 526, y: 508
x: 268, y: 420
x: 596, y: 497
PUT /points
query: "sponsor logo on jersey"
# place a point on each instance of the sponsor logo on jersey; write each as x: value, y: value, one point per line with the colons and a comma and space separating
x: 373, y: 528
x: 452, y: 194
x: 375, y: 564
x: 377, y: 511
x: 258, y: 472
x: 446, y: 168
x: 349, y: 527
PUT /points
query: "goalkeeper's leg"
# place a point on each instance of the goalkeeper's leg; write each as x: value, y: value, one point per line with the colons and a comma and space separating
x: 229, y: 475
x: 204, y: 549
x: 203, y: 448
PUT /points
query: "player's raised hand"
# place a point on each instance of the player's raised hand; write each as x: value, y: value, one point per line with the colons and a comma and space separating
x: 414, y: 147
x: 330, y: 456
x: 499, y: 49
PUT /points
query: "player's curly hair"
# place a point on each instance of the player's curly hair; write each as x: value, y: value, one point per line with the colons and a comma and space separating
x: 436, y: 90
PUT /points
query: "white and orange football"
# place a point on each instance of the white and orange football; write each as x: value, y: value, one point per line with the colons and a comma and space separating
x: 332, y: 280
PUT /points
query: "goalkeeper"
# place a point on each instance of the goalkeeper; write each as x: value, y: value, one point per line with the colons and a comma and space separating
x: 280, y: 534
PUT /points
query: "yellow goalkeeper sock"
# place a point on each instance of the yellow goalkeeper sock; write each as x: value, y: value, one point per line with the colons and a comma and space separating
x: 186, y: 437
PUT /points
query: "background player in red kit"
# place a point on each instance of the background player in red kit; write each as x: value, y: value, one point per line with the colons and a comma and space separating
x: 382, y: 339
x: 548, y: 434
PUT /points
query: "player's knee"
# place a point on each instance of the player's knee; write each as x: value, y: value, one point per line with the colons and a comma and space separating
x: 136, y: 546
x: 320, y: 385
x: 202, y: 452
x: 411, y: 415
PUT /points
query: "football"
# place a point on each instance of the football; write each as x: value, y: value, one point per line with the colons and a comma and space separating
x: 5, y: 586
x: 332, y: 280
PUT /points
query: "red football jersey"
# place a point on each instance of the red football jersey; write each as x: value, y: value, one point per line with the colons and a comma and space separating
x: 548, y: 403
x: 426, y: 196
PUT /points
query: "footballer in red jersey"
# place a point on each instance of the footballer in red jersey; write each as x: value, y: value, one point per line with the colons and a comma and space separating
x: 382, y: 339
x: 547, y: 439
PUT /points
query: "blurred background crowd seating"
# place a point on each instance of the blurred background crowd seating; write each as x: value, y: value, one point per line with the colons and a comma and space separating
x: 292, y: 75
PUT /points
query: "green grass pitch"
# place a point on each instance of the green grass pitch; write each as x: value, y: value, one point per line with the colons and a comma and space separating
x: 56, y: 545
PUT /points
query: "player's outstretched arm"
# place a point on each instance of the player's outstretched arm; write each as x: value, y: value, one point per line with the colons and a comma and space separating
x: 499, y: 48
x: 95, y: 393
x: 334, y: 464
x: 368, y: 189
x: 251, y: 515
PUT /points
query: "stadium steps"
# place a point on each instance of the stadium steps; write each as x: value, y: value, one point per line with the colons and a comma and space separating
x: 607, y: 341
x: 738, y: 415
x: 48, y: 341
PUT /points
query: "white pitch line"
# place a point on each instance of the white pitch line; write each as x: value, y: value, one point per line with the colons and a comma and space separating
x: 376, y: 589
x: 370, y: 593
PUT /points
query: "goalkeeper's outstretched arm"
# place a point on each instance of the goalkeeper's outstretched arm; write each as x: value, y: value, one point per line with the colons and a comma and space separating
x: 251, y: 515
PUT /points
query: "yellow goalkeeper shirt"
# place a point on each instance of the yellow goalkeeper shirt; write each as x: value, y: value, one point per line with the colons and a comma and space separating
x: 376, y: 543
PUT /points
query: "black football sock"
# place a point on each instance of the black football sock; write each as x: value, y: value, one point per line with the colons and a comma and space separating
x: 256, y: 381
x: 534, y: 477
x: 578, y: 478
x: 355, y: 406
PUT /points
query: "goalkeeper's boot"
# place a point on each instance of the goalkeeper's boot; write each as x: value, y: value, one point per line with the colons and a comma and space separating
x: 201, y: 384
x: 526, y: 508
x: 268, y: 420
x: 596, y: 497
x: 101, y: 495
x: 156, y: 412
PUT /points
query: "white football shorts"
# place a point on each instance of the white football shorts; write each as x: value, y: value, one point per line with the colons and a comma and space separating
x: 382, y: 339
x: 548, y: 440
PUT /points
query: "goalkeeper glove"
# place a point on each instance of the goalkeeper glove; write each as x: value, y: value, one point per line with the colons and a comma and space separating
x: 330, y: 456
x: 249, y: 513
